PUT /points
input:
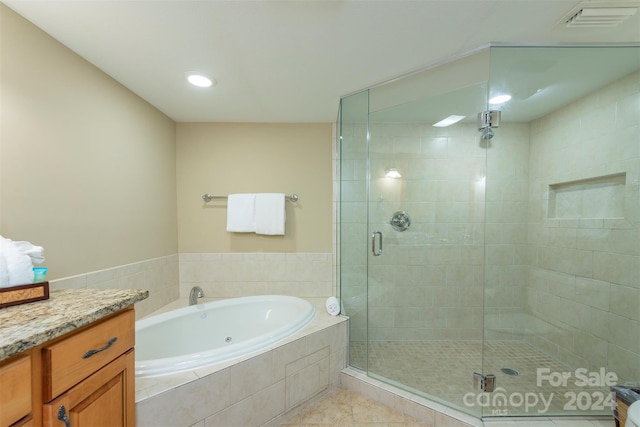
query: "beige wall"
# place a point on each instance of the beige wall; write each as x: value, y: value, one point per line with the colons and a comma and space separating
x: 224, y: 158
x: 87, y: 167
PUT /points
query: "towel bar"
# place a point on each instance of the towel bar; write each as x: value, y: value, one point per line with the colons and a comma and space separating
x: 209, y: 197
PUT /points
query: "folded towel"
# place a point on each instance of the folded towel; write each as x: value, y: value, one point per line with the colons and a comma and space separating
x: 270, y: 213
x: 35, y: 252
x: 4, y: 273
x: 241, y: 213
x: 17, y: 268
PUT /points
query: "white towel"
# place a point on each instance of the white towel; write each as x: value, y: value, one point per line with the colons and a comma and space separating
x: 35, y: 252
x: 4, y: 272
x: 241, y: 213
x: 17, y: 268
x: 270, y: 213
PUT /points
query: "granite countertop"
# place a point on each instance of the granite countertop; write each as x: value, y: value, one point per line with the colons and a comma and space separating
x: 28, y: 325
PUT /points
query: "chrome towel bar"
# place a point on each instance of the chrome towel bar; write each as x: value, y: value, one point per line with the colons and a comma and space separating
x: 209, y: 197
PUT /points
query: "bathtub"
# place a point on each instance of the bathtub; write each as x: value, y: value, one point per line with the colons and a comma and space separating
x: 200, y: 335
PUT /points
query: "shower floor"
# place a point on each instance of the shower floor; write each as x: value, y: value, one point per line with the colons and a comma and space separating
x: 443, y: 370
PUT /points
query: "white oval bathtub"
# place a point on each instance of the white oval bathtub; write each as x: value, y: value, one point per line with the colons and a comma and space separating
x: 199, y: 335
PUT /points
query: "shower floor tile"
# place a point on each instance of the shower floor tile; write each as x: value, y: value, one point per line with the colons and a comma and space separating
x: 443, y: 371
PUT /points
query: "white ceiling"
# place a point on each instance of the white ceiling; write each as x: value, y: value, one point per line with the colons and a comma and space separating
x: 290, y: 61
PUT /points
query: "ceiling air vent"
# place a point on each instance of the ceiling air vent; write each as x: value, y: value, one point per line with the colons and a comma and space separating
x: 589, y: 17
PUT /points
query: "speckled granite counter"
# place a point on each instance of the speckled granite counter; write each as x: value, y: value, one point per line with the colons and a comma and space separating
x: 25, y: 326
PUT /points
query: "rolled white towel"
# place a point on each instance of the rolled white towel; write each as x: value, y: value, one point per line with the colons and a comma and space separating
x: 4, y: 273
x: 18, y: 265
x: 333, y: 306
x: 20, y: 269
x: 35, y: 252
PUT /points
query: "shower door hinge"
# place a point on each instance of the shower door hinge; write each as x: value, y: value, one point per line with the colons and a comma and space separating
x: 485, y: 383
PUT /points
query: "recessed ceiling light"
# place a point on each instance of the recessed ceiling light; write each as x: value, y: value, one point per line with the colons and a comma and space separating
x: 499, y: 99
x: 200, y: 80
x: 448, y: 121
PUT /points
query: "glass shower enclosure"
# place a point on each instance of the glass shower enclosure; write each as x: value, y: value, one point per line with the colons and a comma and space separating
x: 489, y: 249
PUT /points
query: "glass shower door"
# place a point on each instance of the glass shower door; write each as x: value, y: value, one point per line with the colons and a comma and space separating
x: 425, y: 252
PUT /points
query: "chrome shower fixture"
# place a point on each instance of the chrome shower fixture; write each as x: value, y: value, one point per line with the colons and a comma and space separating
x: 490, y: 118
x: 487, y: 121
x: 487, y: 133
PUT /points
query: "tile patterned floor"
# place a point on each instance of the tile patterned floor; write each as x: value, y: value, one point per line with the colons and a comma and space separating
x: 443, y: 370
x: 344, y: 408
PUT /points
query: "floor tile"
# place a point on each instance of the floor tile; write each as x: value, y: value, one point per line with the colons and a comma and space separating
x: 345, y: 408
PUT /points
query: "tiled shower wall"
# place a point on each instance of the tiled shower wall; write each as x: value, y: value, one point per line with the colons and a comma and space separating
x: 428, y: 283
x: 507, y: 260
x: 585, y: 243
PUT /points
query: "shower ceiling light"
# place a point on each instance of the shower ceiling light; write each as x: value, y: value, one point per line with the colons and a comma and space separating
x: 499, y: 99
x: 448, y: 121
x: 200, y: 80
x: 393, y: 173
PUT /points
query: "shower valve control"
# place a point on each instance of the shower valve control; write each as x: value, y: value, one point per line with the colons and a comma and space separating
x: 400, y: 221
x: 486, y: 383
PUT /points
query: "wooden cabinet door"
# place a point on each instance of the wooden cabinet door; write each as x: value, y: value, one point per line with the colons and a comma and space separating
x: 27, y: 422
x: 104, y: 399
x: 15, y: 390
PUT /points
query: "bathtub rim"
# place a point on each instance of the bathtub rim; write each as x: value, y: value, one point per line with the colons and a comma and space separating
x: 152, y: 368
x: 149, y: 388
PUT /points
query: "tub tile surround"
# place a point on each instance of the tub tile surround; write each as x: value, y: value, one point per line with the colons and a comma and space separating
x: 232, y: 275
x: 251, y: 390
x: 228, y: 275
x: 158, y: 275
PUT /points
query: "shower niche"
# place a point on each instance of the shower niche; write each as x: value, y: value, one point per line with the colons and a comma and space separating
x: 593, y: 198
x: 524, y: 245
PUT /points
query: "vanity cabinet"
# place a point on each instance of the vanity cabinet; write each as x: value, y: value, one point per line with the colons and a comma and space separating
x: 83, y: 378
x: 621, y: 413
x: 15, y: 391
x: 68, y: 361
x: 98, y: 401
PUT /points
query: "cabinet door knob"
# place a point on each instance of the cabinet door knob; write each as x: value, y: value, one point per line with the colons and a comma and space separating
x: 62, y: 416
x: 98, y: 350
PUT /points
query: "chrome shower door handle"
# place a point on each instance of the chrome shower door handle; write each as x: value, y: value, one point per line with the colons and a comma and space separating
x: 373, y: 243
